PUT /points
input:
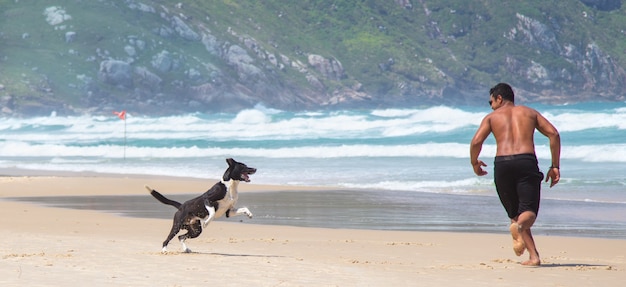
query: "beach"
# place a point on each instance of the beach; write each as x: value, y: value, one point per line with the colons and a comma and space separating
x: 52, y: 246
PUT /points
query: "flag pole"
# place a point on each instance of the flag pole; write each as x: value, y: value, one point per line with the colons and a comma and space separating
x: 124, y: 137
x: 122, y: 116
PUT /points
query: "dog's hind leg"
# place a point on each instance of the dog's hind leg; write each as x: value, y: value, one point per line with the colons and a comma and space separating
x: 175, y: 229
x: 193, y: 231
x: 182, y: 239
x: 176, y: 226
x: 184, y: 246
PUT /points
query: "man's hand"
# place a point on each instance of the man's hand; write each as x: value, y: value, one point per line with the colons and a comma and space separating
x: 554, y: 175
x: 478, y: 167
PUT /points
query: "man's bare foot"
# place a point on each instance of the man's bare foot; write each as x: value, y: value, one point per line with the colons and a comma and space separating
x: 532, y: 262
x: 518, y: 242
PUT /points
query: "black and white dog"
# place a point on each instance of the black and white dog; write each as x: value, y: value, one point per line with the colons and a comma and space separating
x: 217, y: 201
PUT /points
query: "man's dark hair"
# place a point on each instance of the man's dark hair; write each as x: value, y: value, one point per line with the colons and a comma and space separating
x: 504, y: 90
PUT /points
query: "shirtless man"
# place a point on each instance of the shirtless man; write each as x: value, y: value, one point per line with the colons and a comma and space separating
x: 516, y: 172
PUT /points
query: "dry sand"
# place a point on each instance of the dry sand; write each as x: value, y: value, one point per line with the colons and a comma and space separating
x: 46, y: 246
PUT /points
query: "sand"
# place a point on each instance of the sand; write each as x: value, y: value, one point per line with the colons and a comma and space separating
x: 48, y: 246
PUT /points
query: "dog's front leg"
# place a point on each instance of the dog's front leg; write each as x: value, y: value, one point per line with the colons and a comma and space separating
x: 208, y: 219
x: 243, y: 210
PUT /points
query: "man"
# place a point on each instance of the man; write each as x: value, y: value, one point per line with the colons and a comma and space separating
x: 516, y: 172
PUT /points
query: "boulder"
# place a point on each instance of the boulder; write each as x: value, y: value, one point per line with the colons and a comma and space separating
x: 148, y: 79
x: 116, y: 73
x: 56, y: 15
x: 239, y: 58
x: 211, y: 44
x: 130, y: 50
x: 184, y: 30
x: 162, y: 61
x: 329, y: 68
x: 69, y: 36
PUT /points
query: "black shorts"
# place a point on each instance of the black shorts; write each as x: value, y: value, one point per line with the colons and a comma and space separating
x: 518, y: 182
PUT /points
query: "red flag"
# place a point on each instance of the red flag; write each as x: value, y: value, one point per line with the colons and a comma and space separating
x: 121, y: 115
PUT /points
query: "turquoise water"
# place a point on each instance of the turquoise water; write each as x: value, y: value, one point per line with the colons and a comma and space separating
x: 422, y: 150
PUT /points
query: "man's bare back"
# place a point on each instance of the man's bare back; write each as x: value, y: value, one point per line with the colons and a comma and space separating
x: 513, y: 128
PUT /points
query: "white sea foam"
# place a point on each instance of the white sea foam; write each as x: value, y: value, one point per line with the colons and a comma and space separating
x: 259, y: 124
x: 474, y: 185
x: 589, y: 153
x: 570, y: 122
x: 402, y: 149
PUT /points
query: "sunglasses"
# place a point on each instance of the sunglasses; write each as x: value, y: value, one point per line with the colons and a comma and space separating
x: 492, y: 100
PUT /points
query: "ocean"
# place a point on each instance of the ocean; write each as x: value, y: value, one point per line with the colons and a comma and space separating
x: 399, y: 155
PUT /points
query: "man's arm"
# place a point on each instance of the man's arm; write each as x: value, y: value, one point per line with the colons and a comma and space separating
x: 476, y: 146
x: 548, y: 130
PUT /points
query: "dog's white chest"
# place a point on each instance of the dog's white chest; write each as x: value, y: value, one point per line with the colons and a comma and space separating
x: 229, y: 201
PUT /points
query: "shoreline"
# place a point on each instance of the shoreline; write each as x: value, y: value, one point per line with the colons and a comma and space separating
x: 170, y: 183
x: 325, y: 207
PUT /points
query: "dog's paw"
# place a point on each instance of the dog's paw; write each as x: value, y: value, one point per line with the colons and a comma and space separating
x: 244, y: 210
x: 164, y: 249
x: 186, y: 250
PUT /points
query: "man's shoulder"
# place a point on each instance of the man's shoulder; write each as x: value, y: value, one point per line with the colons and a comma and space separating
x: 523, y: 106
x: 526, y: 109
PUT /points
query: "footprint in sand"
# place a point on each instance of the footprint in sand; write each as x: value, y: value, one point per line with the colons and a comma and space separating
x: 518, y: 243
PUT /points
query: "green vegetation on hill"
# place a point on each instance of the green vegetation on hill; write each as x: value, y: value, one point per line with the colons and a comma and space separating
x: 390, y: 52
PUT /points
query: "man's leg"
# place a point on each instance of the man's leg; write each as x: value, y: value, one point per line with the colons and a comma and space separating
x: 518, y: 242
x: 524, y: 222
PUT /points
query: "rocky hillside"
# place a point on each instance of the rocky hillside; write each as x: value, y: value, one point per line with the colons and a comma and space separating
x: 162, y: 57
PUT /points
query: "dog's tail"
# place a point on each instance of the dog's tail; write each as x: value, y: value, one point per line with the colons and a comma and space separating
x: 162, y: 198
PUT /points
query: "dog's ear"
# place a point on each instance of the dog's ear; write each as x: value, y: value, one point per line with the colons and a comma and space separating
x: 230, y: 161
x: 227, y: 173
x: 226, y: 176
